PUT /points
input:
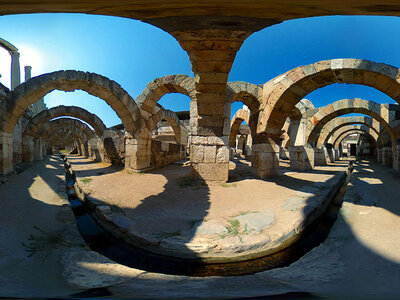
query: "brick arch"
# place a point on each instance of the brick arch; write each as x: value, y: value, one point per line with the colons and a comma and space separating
x: 342, y: 107
x: 240, y: 116
x: 331, y: 127
x: 356, y: 131
x: 65, y: 123
x: 37, y: 87
x: 170, y: 117
x: 348, y: 128
x: 43, y: 117
x: 282, y: 93
x: 154, y: 90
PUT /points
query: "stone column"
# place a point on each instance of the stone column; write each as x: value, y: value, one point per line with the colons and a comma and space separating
x: 301, y: 157
x: 397, y: 167
x: 284, y: 153
x: 15, y: 70
x: 265, y: 159
x: 379, y: 155
x: 138, y: 151
x: 211, y: 54
x: 387, y: 156
x: 321, y: 156
x: 395, y: 157
x: 249, y: 147
x: 37, y: 150
x: 28, y: 72
x: 28, y: 148
x: 336, y: 154
x: 6, y: 152
x: 85, y: 149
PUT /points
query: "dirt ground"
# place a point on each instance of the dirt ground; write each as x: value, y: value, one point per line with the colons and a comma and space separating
x: 167, y: 204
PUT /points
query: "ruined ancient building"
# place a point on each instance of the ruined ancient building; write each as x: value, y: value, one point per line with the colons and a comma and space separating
x: 288, y: 160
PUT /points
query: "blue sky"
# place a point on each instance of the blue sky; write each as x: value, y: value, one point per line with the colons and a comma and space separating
x: 134, y: 53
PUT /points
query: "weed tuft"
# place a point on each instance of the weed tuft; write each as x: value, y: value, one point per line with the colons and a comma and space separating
x: 86, y: 180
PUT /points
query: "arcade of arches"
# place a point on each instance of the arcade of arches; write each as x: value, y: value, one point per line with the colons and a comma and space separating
x: 302, y: 138
x: 277, y: 128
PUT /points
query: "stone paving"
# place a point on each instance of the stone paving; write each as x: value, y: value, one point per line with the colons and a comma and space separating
x: 359, y: 259
x: 167, y: 213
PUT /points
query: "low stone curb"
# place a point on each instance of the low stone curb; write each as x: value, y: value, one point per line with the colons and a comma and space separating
x: 209, y: 248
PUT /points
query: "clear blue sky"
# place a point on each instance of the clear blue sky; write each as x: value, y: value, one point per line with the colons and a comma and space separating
x: 134, y: 53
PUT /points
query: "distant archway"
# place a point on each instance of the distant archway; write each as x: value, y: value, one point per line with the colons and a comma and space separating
x: 45, y: 116
x: 283, y: 92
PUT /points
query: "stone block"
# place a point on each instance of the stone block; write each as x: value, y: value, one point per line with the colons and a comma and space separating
x: 210, y: 153
x: 387, y: 156
x: 301, y: 157
x: 210, y: 172
x: 284, y: 153
x: 196, y: 153
x: 222, y: 154
x: 321, y: 156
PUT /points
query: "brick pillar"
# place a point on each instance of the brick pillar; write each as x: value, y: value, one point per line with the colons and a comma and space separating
x: 28, y: 148
x: 6, y: 152
x: 138, y: 150
x: 211, y: 54
x: 301, y: 157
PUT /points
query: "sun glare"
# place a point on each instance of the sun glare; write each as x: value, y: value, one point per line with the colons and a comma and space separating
x: 30, y: 56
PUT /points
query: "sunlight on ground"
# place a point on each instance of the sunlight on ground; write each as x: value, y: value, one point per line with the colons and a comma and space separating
x: 370, y: 180
x: 389, y: 243
x: 39, y: 188
x: 368, y: 170
x: 50, y: 167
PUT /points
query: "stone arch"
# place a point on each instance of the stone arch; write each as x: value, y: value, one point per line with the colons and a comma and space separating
x: 247, y: 93
x: 331, y: 127
x: 346, y: 106
x: 170, y: 117
x: 35, y: 88
x: 356, y: 131
x: 8, y: 46
x: 349, y: 128
x: 43, y: 117
x: 296, y: 123
x: 65, y: 122
x: 283, y: 92
x: 64, y: 139
x: 240, y: 116
x: 62, y: 133
x: 66, y: 129
x: 15, y: 67
x: 154, y: 90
